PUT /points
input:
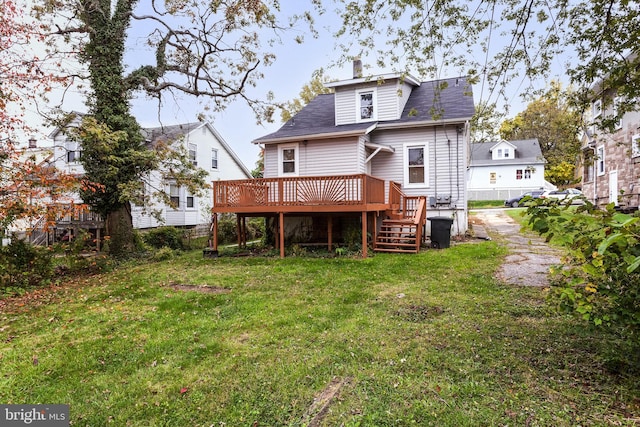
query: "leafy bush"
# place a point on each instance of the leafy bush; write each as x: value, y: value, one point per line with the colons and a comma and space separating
x: 163, y: 254
x: 161, y: 237
x: 227, y: 228
x: 23, y: 265
x: 601, y: 278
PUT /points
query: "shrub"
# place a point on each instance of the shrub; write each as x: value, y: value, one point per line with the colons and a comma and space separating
x: 161, y: 237
x: 23, y: 265
x: 601, y: 278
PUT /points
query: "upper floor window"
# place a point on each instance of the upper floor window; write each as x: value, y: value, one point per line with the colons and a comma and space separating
x: 193, y: 154
x: 415, y: 169
x: 518, y: 173
x: 214, y: 159
x: 366, y: 102
x: 190, y: 201
x: 288, y: 159
x: 596, y: 108
x: 73, y: 156
x: 600, y: 160
x: 506, y: 153
x: 527, y: 174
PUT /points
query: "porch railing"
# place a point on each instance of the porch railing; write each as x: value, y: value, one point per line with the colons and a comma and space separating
x: 409, y: 207
x: 299, y: 191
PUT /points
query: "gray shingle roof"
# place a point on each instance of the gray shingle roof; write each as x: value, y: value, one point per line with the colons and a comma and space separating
x: 527, y: 151
x: 447, y: 99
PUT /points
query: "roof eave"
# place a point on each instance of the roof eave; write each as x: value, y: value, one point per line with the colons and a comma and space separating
x: 314, y: 136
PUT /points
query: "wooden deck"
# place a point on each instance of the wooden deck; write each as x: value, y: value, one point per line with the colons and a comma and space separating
x: 344, y: 193
x: 306, y: 195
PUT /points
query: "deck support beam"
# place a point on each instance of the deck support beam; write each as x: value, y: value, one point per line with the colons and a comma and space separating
x: 215, y: 232
x: 281, y: 233
x: 330, y: 232
x: 364, y: 234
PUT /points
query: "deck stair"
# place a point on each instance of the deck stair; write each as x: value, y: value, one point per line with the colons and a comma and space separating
x: 402, y: 230
x: 398, y: 235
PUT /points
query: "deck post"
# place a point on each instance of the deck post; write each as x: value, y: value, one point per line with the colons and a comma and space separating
x: 215, y: 231
x: 281, y: 232
x: 364, y: 234
x: 330, y: 232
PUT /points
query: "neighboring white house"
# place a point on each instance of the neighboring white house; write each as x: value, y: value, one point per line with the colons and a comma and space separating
x: 503, y: 169
x: 206, y: 149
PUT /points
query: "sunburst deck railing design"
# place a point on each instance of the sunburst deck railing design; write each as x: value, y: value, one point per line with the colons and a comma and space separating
x: 347, y: 192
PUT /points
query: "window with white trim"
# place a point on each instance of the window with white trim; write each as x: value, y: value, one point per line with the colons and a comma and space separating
x: 415, y: 165
x: 518, y: 173
x: 288, y: 160
x: 527, y: 174
x: 635, y: 145
x: 174, y: 195
x: 73, y: 152
x: 366, y: 104
x: 193, y: 154
x: 190, y: 201
x: 600, y: 160
x: 214, y: 158
x: 506, y: 153
x: 596, y: 108
x: 616, y: 102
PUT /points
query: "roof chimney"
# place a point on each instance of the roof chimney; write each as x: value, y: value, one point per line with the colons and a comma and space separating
x: 33, y: 143
x: 357, y: 68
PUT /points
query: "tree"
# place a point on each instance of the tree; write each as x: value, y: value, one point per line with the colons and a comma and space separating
x: 203, y: 49
x: 485, y: 124
x: 308, y: 92
x: 556, y: 124
x: 497, y: 41
x: 30, y: 188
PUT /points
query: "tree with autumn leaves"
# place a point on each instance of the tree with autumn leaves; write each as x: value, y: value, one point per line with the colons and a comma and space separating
x: 31, y: 190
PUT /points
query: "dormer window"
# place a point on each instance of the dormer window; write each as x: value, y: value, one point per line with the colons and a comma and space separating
x: 506, y: 153
x: 366, y: 103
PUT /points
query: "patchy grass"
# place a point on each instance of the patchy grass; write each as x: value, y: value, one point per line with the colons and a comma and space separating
x: 426, y: 339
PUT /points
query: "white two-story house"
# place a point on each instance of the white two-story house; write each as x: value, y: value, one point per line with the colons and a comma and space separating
x: 360, y: 156
x: 206, y: 149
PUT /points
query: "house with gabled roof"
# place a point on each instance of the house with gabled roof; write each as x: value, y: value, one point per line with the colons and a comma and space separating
x: 499, y: 170
x: 380, y: 154
x: 206, y: 149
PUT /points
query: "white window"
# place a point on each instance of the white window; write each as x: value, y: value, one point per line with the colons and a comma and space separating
x: 506, y: 153
x: 193, y: 154
x: 616, y: 103
x: 518, y: 173
x: 73, y: 152
x: 600, y: 160
x: 635, y: 145
x: 190, y: 201
x: 527, y: 174
x: 499, y: 153
x: 174, y: 195
x: 416, y: 172
x: 596, y: 108
x: 214, y: 159
x: 288, y: 160
x: 366, y: 103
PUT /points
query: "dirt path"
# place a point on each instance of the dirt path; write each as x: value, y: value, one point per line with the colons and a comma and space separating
x: 529, y: 256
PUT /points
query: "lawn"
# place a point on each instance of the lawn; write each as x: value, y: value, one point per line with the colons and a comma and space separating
x: 391, y: 340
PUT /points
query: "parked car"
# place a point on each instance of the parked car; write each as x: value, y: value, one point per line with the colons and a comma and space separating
x: 573, y: 194
x: 514, y: 202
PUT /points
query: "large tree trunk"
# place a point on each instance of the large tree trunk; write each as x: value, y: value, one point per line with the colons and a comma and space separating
x: 119, y: 228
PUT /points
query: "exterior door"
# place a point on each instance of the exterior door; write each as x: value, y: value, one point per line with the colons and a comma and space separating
x: 613, y: 187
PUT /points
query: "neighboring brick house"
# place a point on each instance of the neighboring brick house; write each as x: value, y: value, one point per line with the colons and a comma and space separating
x: 611, y: 160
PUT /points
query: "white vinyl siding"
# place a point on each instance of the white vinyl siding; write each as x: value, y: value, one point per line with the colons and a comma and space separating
x: 323, y: 157
x: 388, y: 102
x: 345, y: 103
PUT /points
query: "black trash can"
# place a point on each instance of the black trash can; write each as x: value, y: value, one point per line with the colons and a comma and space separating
x: 440, y: 231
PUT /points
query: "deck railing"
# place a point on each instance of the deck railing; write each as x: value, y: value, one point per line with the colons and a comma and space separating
x: 299, y: 191
x: 409, y: 206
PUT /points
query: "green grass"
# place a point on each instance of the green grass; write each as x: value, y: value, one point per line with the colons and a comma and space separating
x: 477, y: 204
x: 427, y: 339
